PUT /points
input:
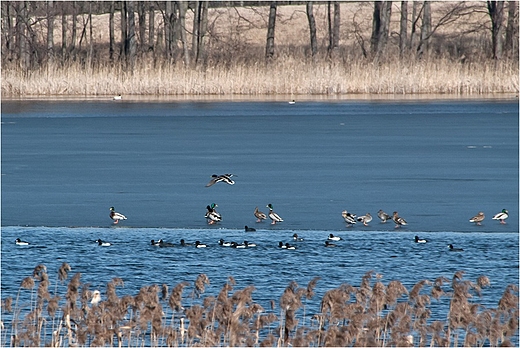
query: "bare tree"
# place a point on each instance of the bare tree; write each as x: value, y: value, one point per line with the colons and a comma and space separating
x: 312, y: 28
x: 496, y: 12
x: 184, y: 40
x: 333, y: 26
x: 151, y: 27
x: 50, y: 31
x: 124, y: 32
x: 141, y: 10
x: 111, y: 36
x: 200, y: 23
x: 63, y: 32
x: 269, y: 49
x: 131, y: 39
x: 380, y: 27
x: 72, y: 48
x: 403, y: 28
x: 426, y: 29
x: 511, y: 41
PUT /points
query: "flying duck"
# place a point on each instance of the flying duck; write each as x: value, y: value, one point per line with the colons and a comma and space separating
x: 259, y: 215
x: 220, y: 178
x: 478, y: 218
x: 349, y: 218
x: 103, y: 243
x: 399, y: 221
x: 21, y: 242
x: 249, y: 229
x: 454, y: 249
x: 502, y: 216
x: 273, y: 216
x: 365, y: 219
x: 420, y: 240
x: 296, y: 238
x: 116, y: 216
x: 212, y: 215
x: 383, y: 216
x: 333, y: 237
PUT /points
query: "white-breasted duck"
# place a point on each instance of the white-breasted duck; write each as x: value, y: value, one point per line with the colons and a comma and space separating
x: 383, y: 216
x: 117, y: 97
x: 365, y: 219
x: 420, y: 240
x: 223, y: 243
x: 477, y: 219
x: 349, y: 218
x: 198, y: 244
x: 281, y: 245
x: 18, y: 241
x: 399, y: 221
x: 116, y: 216
x: 156, y: 242
x: 260, y: 216
x: 289, y: 246
x: 334, y: 238
x: 103, y: 243
x: 220, y: 178
x: 212, y: 215
x: 296, y: 238
x: 502, y: 216
x: 273, y: 216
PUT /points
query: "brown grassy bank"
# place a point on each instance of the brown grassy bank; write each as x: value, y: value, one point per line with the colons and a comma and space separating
x: 371, y: 314
x: 284, y: 76
x: 457, y: 64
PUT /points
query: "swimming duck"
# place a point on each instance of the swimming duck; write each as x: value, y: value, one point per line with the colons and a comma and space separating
x: 502, y: 216
x: 478, y: 218
x: 212, y: 215
x: 249, y: 229
x: 249, y: 245
x: 223, y: 243
x: 296, y: 238
x: 200, y: 245
x: 365, y: 219
x: 399, y: 221
x: 259, y: 215
x: 289, y: 246
x: 383, y: 216
x: 333, y: 237
x: 292, y: 102
x: 420, y: 240
x: 163, y: 244
x: 116, y: 216
x: 329, y: 244
x: 220, y: 178
x: 183, y: 243
x: 273, y: 216
x: 156, y: 243
x: 281, y: 245
x: 117, y: 97
x: 454, y: 249
x: 349, y: 218
x: 21, y: 242
x: 238, y: 246
x: 103, y: 243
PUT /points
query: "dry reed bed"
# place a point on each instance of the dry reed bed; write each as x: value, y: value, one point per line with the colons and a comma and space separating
x: 283, y: 76
x: 371, y: 314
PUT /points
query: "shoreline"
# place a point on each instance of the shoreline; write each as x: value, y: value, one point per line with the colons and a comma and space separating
x: 271, y: 97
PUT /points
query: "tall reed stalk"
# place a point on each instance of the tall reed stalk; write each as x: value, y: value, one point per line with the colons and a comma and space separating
x: 371, y: 314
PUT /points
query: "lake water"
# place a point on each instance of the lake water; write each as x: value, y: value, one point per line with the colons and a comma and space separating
x: 437, y: 163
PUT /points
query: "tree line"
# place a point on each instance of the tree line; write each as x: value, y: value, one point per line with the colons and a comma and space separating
x: 28, y: 30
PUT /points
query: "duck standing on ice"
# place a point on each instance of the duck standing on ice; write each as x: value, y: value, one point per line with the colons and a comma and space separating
x: 273, y: 216
x: 116, y: 216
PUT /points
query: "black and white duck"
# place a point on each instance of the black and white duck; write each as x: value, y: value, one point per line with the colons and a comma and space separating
x: 349, y: 218
x: 273, y: 216
x: 220, y: 178
x: 502, y: 216
x: 116, y: 216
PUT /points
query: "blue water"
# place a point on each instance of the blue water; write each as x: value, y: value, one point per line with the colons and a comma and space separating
x: 438, y: 163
